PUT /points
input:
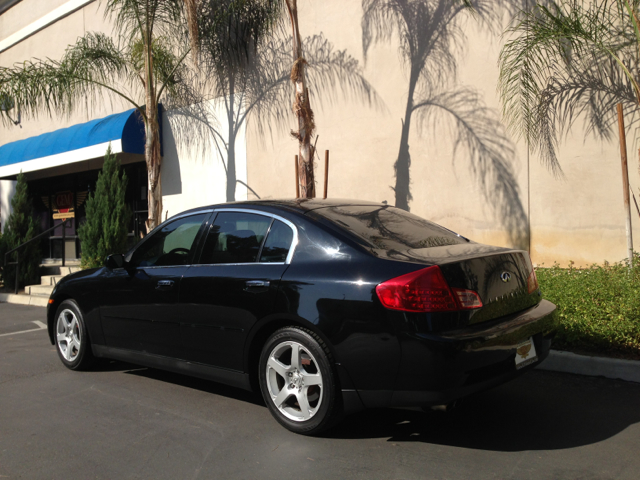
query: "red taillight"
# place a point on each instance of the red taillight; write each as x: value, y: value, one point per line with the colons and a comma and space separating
x: 532, y: 282
x: 425, y: 290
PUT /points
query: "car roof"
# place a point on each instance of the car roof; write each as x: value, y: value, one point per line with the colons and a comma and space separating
x: 299, y: 205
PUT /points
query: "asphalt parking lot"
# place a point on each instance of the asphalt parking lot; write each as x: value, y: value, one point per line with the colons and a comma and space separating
x: 123, y: 421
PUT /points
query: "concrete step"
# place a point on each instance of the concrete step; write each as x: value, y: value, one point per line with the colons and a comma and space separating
x: 38, y: 295
x: 39, y: 290
x: 68, y: 270
x: 49, y: 269
x: 50, y: 279
x: 57, y: 261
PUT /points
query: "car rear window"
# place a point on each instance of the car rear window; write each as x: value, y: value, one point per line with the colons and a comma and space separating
x: 389, y: 228
x: 276, y: 246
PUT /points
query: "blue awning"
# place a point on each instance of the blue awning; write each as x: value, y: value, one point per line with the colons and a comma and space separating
x: 124, y: 131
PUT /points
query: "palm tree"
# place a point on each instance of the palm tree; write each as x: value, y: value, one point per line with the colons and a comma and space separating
x: 431, y: 34
x: 302, y: 107
x: 570, y: 59
x: 260, y: 89
x: 146, y: 62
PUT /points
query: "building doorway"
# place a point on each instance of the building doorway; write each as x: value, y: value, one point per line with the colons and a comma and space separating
x: 65, y: 196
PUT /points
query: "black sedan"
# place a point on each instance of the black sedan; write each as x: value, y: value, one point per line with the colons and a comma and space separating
x: 327, y: 307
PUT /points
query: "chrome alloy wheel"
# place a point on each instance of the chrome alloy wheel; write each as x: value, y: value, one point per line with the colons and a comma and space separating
x: 294, y: 381
x: 68, y: 334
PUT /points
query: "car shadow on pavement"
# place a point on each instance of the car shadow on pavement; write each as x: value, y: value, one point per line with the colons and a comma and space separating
x: 539, y: 411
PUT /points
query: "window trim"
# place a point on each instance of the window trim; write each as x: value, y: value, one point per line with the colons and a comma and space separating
x: 292, y: 248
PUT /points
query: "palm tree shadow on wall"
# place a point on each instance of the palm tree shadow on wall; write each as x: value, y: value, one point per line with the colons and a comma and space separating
x: 262, y: 93
x: 586, y: 89
x: 431, y: 38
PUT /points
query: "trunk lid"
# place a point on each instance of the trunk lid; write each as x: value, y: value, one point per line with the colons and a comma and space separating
x: 500, y: 276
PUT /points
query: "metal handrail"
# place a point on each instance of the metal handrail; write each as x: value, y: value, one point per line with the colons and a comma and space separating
x: 17, y: 262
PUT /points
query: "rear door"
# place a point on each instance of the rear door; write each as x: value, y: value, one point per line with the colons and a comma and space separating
x: 234, y: 284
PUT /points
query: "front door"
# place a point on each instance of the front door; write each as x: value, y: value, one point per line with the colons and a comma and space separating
x: 139, y: 306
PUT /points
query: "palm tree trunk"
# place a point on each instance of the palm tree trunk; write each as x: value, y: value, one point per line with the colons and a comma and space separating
x: 154, y: 163
x: 152, y: 143
x: 302, y: 109
x: 403, y: 163
x: 231, y: 148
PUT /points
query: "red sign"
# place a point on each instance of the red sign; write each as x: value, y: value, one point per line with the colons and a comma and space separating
x: 64, y: 201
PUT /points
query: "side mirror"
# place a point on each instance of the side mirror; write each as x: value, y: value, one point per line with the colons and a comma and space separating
x: 115, y: 260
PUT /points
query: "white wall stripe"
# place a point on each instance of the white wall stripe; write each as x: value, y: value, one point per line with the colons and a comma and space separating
x: 48, y: 19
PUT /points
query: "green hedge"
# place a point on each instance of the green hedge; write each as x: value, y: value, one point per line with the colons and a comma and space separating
x: 598, y: 307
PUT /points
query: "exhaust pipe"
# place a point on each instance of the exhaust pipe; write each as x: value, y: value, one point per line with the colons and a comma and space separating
x: 447, y: 408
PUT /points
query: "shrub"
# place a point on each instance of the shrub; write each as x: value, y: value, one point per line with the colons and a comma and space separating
x: 598, y: 307
x: 21, y: 226
x: 105, y: 229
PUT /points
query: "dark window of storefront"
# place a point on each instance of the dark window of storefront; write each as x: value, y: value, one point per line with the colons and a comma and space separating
x: 53, y: 195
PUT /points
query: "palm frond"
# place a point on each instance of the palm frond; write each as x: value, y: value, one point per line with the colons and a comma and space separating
x: 568, y: 60
x: 92, y: 66
x: 333, y: 75
x: 135, y: 19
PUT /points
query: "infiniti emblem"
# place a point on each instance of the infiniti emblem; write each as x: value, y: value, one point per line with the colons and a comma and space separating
x: 505, y: 277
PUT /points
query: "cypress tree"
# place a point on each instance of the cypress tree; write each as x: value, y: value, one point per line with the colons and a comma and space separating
x: 21, y: 226
x: 105, y: 229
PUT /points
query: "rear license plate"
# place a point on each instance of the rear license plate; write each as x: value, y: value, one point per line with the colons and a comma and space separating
x: 526, y: 353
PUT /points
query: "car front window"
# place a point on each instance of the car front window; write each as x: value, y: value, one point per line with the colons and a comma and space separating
x: 171, y: 245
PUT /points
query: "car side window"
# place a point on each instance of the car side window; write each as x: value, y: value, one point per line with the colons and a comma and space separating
x: 278, y: 243
x: 171, y: 245
x: 235, y: 237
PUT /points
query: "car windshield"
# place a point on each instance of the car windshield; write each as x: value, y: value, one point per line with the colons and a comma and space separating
x: 389, y: 228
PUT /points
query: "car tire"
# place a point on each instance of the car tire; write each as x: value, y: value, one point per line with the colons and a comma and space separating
x: 298, y: 381
x: 72, y: 339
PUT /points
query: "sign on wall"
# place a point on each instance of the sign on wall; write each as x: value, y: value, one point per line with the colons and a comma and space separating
x: 63, y: 206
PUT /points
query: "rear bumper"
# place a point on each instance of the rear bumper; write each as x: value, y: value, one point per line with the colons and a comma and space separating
x: 439, y: 368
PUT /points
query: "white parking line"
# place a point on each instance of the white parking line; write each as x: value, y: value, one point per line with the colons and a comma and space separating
x: 41, y: 326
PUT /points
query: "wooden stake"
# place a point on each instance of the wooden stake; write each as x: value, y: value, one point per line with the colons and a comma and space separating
x: 636, y: 202
x: 326, y: 172
x: 297, y: 178
x: 625, y: 182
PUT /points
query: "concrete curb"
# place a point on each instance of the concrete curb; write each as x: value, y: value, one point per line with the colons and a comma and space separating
x: 568, y: 362
x: 32, y: 300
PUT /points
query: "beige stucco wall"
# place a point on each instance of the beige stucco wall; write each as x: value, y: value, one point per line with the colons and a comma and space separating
x: 51, y: 42
x: 578, y: 217
x: 193, y: 169
x: 25, y: 13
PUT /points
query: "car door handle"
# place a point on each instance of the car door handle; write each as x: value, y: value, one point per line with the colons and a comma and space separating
x: 162, y: 284
x: 257, y: 283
